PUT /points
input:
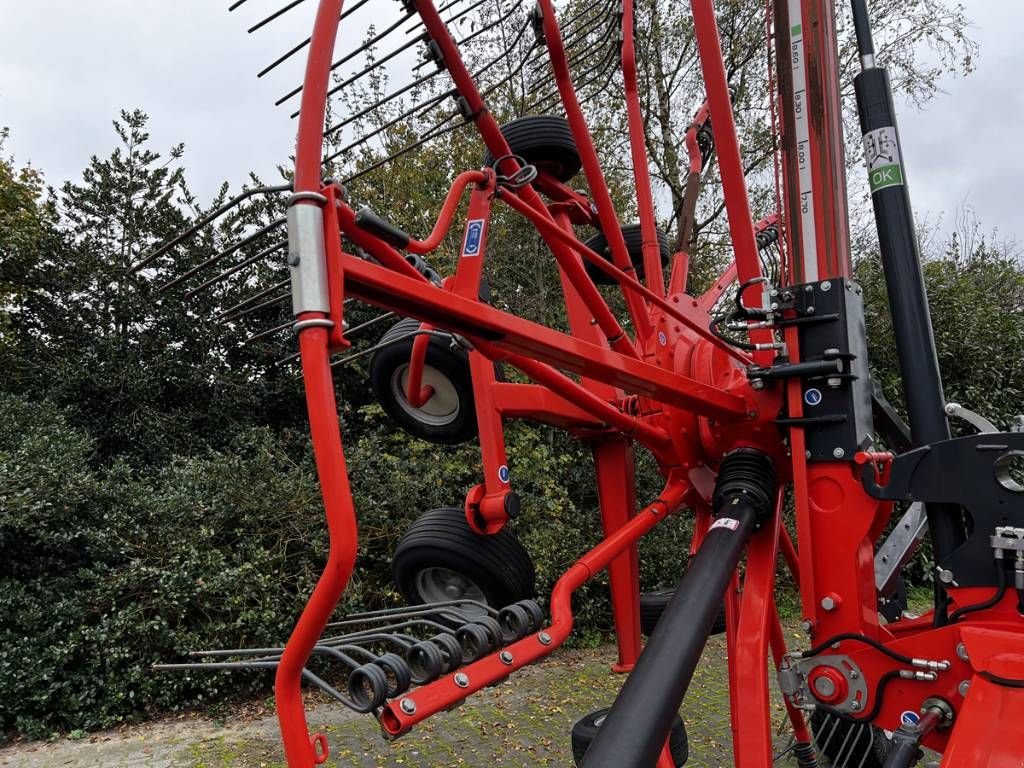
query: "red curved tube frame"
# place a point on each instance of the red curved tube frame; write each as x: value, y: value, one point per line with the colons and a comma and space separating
x: 444, y: 219
x: 444, y: 692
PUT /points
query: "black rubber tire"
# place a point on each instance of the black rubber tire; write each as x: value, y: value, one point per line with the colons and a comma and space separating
x: 441, y: 538
x: 388, y: 363
x: 652, y: 605
x: 544, y: 141
x: 585, y: 730
x: 634, y: 246
x: 868, y: 748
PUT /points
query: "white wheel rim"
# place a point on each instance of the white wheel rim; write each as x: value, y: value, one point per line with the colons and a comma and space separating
x: 437, y: 584
x: 443, y: 406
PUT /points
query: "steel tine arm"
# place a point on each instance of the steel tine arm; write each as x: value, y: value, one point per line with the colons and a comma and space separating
x: 237, y: 268
x: 428, y: 607
x: 349, y: 56
x: 226, y: 252
x: 380, y: 102
x: 427, y: 137
x: 269, y: 332
x: 150, y: 258
x: 255, y: 297
x: 275, y: 15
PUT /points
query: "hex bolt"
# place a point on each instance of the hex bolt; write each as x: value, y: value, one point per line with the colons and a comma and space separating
x: 408, y: 706
x: 808, y: 625
x: 294, y: 259
x: 828, y: 603
x: 838, y: 452
x: 757, y: 383
x: 964, y: 687
x: 545, y: 638
x: 506, y: 657
x: 826, y: 285
x: 945, y: 576
x: 854, y: 674
x: 462, y: 680
x: 961, y: 652
x: 854, y: 705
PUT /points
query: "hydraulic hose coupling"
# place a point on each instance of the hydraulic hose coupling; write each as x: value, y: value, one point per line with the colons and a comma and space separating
x: 746, y: 477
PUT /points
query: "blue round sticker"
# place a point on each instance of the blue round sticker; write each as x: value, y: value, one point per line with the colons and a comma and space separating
x: 812, y: 396
x: 503, y: 473
x: 909, y: 717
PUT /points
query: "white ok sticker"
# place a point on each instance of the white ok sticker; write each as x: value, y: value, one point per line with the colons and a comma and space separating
x: 725, y: 522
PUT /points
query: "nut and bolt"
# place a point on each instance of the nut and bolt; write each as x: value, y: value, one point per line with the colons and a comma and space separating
x: 826, y: 285
x: 545, y: 638
x: 757, y: 383
x: 462, y: 680
x: 834, y: 382
x: 838, y: 453
x: 964, y: 687
x: 945, y: 576
x: 294, y: 259
x: 854, y: 705
x: 808, y: 625
x: 408, y: 706
x: 828, y: 603
x: 506, y: 657
x: 961, y: 652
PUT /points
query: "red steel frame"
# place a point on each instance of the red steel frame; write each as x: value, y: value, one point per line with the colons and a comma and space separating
x: 675, y: 388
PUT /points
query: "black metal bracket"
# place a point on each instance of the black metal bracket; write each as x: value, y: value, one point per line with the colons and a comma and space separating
x: 973, y: 472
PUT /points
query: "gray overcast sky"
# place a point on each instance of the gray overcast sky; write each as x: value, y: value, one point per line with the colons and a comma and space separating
x: 66, y: 71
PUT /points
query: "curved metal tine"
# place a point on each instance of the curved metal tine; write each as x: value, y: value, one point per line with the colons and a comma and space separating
x: 368, y: 323
x: 831, y: 733
x: 584, y: 29
x: 381, y: 101
x: 869, y: 750
x: 840, y: 762
x: 275, y: 15
x: 404, y: 642
x: 419, y: 610
x: 411, y: 623
x: 440, y: 131
x: 426, y: 607
x: 382, y: 60
x: 349, y: 56
x: 258, y: 307
x: 227, y: 313
x: 269, y: 332
x: 265, y: 190
x: 226, y: 252
x: 213, y: 665
x: 546, y: 102
x: 425, y: 105
x: 236, y: 268
x: 485, y: 28
x: 327, y: 688
x: 299, y: 46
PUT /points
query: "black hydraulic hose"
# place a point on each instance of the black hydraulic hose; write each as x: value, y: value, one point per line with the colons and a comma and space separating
x: 901, y: 264
x: 638, y: 723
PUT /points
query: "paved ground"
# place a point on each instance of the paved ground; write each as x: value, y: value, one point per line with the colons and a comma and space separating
x: 522, y: 723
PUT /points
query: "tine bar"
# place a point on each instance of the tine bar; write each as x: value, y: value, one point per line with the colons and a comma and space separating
x: 255, y: 297
x: 283, y: 58
x: 239, y: 266
x: 208, y: 218
x: 269, y: 332
x: 226, y: 252
x: 372, y: 41
x: 276, y: 14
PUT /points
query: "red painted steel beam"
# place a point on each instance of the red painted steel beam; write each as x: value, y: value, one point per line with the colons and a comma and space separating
x: 473, y: 319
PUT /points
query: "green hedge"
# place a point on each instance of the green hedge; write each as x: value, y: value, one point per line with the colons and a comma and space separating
x: 109, y: 571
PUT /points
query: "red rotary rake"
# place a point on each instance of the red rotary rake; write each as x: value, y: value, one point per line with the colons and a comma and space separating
x: 737, y: 405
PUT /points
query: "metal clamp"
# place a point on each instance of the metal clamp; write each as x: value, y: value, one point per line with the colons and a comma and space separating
x: 976, y: 420
x: 307, y: 260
